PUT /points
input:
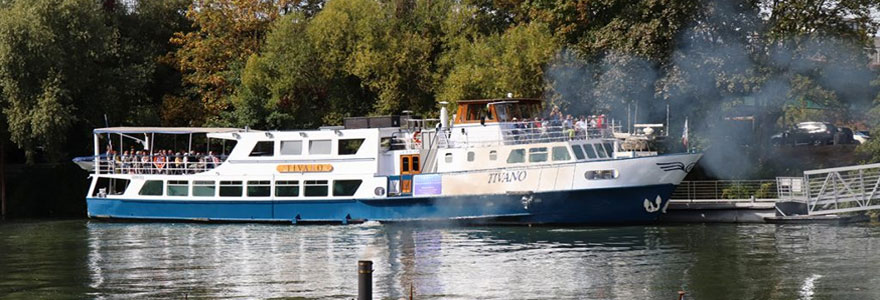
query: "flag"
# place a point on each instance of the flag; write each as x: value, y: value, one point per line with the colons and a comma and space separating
x: 684, y: 133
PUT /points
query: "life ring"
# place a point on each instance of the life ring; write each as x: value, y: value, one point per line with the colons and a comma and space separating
x: 416, y: 138
x: 159, y: 162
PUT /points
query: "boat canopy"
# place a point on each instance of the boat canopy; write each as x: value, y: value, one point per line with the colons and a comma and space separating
x: 166, y: 130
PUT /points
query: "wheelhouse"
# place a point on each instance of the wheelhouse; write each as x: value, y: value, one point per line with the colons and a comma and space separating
x: 497, y: 110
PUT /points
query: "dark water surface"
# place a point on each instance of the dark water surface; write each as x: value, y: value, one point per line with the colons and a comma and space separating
x: 89, y: 259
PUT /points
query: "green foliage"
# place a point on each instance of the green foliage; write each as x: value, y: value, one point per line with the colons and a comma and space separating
x: 766, y: 191
x: 65, y: 64
x: 305, y: 63
x: 492, y: 66
x: 736, y: 191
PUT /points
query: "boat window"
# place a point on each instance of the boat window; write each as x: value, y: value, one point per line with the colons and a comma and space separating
x: 601, y: 151
x: 538, y: 154
x: 110, y: 186
x: 471, y: 156
x: 578, y: 153
x: 258, y: 188
x: 404, y: 164
x: 287, y: 188
x: 345, y: 187
x: 178, y: 188
x: 263, y: 148
x: 588, y: 148
x: 230, y: 189
x: 415, y: 163
x: 349, y: 146
x: 609, y: 148
x: 474, y: 111
x: 291, y: 147
x: 493, y: 155
x: 516, y: 156
x: 448, y: 158
x: 315, y: 188
x: 319, y: 147
x: 560, y: 153
x: 151, y: 188
x: 501, y: 111
x: 203, y: 188
x: 601, y: 174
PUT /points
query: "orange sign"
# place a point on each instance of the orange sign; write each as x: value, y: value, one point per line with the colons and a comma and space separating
x: 305, y: 168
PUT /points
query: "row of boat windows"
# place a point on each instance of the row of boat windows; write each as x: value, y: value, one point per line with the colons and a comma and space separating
x: 253, y: 188
x: 540, y: 154
x: 315, y: 147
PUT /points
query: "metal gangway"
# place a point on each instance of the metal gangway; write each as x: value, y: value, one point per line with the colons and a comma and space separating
x: 834, y: 190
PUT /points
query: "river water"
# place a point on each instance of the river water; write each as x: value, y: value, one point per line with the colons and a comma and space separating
x: 93, y: 259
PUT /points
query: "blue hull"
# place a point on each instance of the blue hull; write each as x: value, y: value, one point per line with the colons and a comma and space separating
x: 594, y: 206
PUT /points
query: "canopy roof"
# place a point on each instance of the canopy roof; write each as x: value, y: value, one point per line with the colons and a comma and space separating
x: 498, y: 100
x: 166, y: 130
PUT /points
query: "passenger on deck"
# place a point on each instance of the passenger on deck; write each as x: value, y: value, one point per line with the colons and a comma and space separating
x: 568, y: 126
x: 125, y: 162
x: 178, y: 163
x: 581, y: 128
x: 146, y: 164
x: 209, y: 160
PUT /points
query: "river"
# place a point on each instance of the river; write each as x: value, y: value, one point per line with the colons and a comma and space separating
x: 93, y: 259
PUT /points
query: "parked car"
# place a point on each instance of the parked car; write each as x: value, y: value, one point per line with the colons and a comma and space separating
x: 844, y: 136
x: 861, y: 137
x: 807, y: 133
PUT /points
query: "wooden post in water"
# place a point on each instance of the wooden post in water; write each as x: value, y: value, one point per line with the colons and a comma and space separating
x: 2, y: 181
x: 365, y: 280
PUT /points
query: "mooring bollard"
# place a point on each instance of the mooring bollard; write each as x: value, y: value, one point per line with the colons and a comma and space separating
x: 365, y: 280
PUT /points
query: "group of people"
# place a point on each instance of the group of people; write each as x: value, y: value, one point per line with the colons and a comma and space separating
x: 557, y: 127
x: 160, y: 162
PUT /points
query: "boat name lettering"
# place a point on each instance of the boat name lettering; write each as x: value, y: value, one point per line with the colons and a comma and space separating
x: 504, y: 177
x: 307, y: 168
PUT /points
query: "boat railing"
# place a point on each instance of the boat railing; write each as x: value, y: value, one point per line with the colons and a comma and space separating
x: 422, y: 123
x: 156, y: 164
x: 516, y: 133
x: 510, y: 133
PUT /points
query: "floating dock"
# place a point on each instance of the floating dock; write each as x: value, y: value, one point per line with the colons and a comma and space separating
x: 719, y: 211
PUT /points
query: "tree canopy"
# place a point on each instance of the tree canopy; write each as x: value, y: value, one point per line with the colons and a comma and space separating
x: 281, y: 64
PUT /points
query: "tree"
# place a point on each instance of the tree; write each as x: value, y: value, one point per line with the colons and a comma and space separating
x: 497, y: 64
x: 65, y: 64
x: 211, y: 57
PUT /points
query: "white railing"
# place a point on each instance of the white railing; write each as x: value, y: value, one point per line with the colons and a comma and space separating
x: 726, y: 190
x: 841, y: 190
x: 155, y: 165
x: 509, y: 133
x: 791, y: 188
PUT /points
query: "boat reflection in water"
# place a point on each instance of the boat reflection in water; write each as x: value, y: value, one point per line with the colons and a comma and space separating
x: 447, y: 262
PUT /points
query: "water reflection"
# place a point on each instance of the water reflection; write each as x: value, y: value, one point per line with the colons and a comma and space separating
x: 158, y: 260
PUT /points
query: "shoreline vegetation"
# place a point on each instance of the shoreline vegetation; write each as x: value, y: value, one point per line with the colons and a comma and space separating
x: 739, y: 71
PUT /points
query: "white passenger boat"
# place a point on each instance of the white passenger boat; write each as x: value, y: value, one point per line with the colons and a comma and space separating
x: 480, y: 166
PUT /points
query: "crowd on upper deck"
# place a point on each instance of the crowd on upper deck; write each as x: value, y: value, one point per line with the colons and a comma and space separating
x: 159, y: 162
x: 557, y: 127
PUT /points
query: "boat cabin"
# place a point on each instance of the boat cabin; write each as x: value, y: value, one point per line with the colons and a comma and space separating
x: 497, y: 110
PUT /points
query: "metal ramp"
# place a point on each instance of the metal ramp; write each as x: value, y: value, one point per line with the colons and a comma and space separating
x: 834, y: 190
